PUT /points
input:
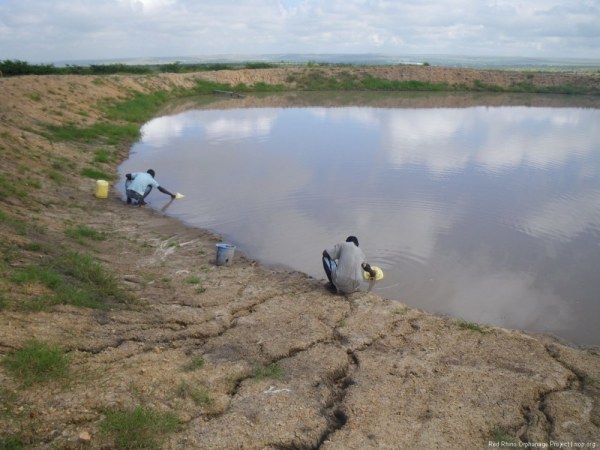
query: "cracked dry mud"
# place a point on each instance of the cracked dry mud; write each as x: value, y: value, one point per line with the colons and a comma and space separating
x: 358, y: 372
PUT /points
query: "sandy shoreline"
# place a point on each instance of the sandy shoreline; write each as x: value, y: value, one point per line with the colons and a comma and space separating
x: 357, y: 372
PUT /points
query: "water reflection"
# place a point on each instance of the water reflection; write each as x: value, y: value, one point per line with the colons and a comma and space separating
x: 491, y: 214
x: 518, y: 136
x: 563, y: 219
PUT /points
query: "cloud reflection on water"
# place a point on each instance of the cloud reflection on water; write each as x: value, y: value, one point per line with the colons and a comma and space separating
x: 565, y: 218
x: 496, y: 139
x: 443, y: 199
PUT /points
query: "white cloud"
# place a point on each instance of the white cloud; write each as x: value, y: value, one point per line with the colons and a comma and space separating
x: 58, y: 30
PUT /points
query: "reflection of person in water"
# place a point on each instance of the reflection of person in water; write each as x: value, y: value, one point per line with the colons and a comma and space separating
x: 139, y: 184
x: 344, y: 265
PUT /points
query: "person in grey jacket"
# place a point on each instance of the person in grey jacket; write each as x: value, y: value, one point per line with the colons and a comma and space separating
x: 344, y: 264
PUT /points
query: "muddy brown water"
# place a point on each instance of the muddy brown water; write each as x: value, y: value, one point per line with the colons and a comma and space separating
x: 488, y: 211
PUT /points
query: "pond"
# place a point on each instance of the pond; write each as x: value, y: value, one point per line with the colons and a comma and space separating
x: 488, y: 213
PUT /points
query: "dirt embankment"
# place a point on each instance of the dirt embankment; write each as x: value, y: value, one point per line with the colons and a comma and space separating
x: 354, y: 373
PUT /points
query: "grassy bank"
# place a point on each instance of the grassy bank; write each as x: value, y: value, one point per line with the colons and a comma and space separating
x: 56, y: 256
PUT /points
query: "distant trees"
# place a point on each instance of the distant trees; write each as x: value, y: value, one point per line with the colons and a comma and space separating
x: 11, y: 68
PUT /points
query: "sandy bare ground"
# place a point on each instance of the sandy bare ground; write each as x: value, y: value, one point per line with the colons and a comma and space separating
x: 357, y: 372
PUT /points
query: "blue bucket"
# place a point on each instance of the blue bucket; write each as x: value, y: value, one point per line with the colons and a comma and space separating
x: 225, y: 254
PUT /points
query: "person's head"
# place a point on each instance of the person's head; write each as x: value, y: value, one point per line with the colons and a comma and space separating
x: 151, y: 172
x: 352, y: 239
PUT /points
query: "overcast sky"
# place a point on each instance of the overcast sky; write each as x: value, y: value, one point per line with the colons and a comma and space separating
x: 69, y: 30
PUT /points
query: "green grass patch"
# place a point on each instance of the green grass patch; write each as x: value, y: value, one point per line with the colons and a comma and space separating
x: 142, y: 428
x: 65, y: 295
x: 36, y: 184
x: 464, y: 325
x: 8, y: 403
x: 111, y: 134
x: 478, y: 85
x: 72, y: 279
x: 61, y: 163
x: 37, y: 362
x: 11, y: 442
x: 90, y: 172
x: 501, y: 436
x: 193, y: 279
x: 47, y: 276
x: 88, y: 271
x: 258, y: 87
x: 81, y: 232
x: 194, y: 364
x: 318, y: 80
x: 196, y: 281
x: 273, y: 370
x: 200, y: 394
x: 139, y: 109
x: 36, y: 97
x: 57, y: 177
x: 34, y: 247
x: 570, y: 89
x: 377, y: 84
x: 207, y: 87
x: 18, y: 225
x: 8, y: 189
x: 102, y: 156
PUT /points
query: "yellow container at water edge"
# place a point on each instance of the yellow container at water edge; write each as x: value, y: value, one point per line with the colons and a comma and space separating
x: 101, y: 188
